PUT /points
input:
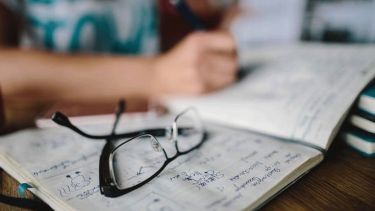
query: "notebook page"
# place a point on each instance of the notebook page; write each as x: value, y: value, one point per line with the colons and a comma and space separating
x: 299, y: 93
x: 233, y: 170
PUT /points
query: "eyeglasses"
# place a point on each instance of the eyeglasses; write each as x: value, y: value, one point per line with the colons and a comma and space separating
x: 128, y: 165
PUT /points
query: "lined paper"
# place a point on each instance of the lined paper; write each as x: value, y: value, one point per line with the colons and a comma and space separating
x: 300, y: 93
x: 232, y: 170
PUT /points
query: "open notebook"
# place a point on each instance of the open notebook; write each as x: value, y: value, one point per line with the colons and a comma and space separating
x: 294, y: 98
x: 233, y: 170
x: 299, y: 93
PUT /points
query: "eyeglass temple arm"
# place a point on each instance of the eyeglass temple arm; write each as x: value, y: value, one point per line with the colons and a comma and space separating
x: 119, y: 111
x: 159, y: 132
x: 63, y: 120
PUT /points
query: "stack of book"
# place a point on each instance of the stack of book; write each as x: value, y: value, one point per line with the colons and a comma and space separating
x: 361, y: 133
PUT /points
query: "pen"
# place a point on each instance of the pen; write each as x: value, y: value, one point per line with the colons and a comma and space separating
x: 183, y: 8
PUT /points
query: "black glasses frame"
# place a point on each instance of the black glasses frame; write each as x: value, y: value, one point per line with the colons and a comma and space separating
x: 107, y: 184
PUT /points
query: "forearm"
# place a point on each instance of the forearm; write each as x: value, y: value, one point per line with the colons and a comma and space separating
x: 31, y: 80
x: 53, y: 77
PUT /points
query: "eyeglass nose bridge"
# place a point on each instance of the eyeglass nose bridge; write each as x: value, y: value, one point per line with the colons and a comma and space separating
x: 171, y: 132
x: 174, y: 132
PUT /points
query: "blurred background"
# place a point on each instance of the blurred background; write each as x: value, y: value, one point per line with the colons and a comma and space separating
x: 277, y: 21
x: 285, y: 21
x: 288, y: 21
x: 258, y: 23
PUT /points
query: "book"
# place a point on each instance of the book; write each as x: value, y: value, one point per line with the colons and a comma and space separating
x: 300, y: 93
x: 233, y: 170
x: 361, y: 133
x: 266, y: 132
x: 361, y: 141
x: 366, y: 100
x: 364, y: 121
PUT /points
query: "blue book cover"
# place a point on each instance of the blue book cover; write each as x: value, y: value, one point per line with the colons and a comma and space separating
x: 366, y: 100
x: 361, y: 141
x: 363, y: 120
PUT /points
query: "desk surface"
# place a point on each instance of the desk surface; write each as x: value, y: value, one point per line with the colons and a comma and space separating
x: 343, y: 181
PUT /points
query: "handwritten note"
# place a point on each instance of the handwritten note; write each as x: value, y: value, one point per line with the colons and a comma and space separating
x: 299, y: 93
x: 233, y: 169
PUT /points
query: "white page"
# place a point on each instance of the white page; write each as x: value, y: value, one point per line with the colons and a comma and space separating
x: 299, y: 93
x: 231, y: 171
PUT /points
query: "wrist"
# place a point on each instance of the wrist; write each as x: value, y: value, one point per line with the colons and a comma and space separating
x: 158, y: 78
x: 133, y: 77
x: 148, y: 73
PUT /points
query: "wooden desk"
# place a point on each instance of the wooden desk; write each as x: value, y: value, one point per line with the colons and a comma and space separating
x: 343, y: 181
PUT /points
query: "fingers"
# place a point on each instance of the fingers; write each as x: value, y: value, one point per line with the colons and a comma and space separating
x: 218, y: 81
x: 230, y: 15
x: 218, y: 62
x: 203, y: 62
x: 218, y: 41
x: 218, y: 71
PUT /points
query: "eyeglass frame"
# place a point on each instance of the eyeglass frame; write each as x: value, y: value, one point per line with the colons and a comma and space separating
x: 107, y: 183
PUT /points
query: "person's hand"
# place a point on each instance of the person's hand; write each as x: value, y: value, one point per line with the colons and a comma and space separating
x: 202, y: 62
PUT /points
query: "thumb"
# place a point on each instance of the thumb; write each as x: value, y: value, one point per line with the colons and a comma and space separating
x: 230, y: 15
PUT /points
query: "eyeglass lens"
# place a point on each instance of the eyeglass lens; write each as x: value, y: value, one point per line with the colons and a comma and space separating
x: 140, y: 158
x: 136, y: 161
x: 190, y: 130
